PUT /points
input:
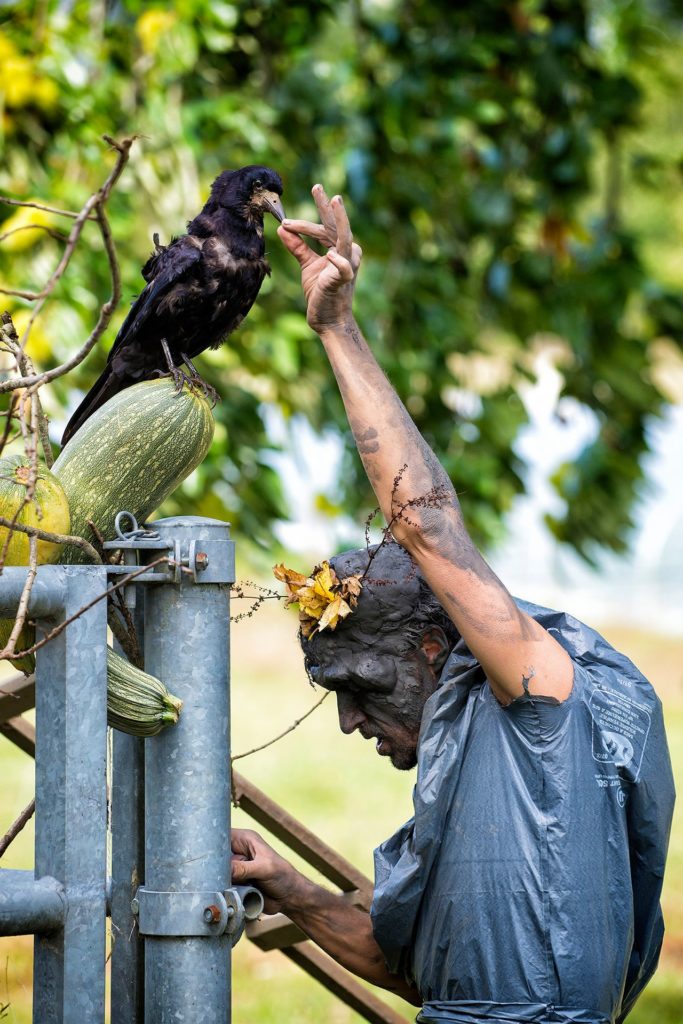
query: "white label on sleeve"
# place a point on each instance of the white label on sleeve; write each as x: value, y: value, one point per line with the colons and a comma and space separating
x: 620, y: 730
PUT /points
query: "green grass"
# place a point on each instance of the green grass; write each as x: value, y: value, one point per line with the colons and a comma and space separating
x: 340, y: 788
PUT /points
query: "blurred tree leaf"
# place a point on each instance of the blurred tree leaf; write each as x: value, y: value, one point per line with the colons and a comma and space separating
x: 486, y: 152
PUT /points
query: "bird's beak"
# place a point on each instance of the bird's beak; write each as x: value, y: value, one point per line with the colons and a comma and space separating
x: 273, y: 204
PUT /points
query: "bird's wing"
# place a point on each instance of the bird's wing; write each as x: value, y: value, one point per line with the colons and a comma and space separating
x: 171, y: 267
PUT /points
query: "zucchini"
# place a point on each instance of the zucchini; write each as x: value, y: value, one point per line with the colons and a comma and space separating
x: 48, y: 510
x: 131, y: 454
x: 137, y: 703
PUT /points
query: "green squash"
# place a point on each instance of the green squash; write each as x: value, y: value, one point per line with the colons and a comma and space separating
x: 49, y: 510
x: 132, y: 454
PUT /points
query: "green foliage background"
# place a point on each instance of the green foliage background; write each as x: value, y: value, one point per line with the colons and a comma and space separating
x: 512, y: 173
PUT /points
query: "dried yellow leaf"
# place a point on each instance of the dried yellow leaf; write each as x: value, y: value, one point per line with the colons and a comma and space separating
x: 292, y: 579
x: 335, y: 611
x: 322, y: 597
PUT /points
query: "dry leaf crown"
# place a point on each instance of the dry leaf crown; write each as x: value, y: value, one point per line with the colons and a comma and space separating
x: 323, y: 599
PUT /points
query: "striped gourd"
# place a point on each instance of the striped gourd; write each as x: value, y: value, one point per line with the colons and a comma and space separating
x: 137, y: 703
x: 49, y: 511
x: 131, y: 454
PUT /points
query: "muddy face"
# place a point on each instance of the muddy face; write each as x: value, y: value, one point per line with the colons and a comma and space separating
x: 383, y: 662
x: 381, y: 695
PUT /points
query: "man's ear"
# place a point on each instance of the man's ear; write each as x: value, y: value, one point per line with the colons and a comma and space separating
x: 435, y: 648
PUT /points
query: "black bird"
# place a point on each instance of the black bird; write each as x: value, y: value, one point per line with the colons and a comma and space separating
x: 199, y: 288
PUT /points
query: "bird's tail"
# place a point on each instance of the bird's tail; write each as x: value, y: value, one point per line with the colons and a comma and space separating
x: 106, y: 387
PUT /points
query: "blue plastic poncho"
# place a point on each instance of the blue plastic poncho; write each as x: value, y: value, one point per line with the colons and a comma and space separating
x: 526, y: 887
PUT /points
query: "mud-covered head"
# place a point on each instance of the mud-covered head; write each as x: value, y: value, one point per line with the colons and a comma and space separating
x: 384, y: 660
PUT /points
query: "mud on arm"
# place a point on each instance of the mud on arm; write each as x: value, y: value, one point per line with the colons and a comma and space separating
x: 412, y: 488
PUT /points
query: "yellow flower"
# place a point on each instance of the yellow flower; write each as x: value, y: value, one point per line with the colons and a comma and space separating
x: 152, y: 25
x: 45, y: 93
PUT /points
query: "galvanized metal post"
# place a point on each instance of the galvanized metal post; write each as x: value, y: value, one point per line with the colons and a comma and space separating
x: 187, y: 780
x: 127, y: 862
x: 71, y: 807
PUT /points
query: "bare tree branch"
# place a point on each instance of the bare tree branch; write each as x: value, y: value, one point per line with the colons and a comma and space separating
x: 59, y: 235
x: 128, y: 578
x: 16, y: 827
x: 39, y: 206
x: 25, y: 405
x: 297, y: 722
x: 25, y: 366
x: 54, y: 538
x: 95, y: 203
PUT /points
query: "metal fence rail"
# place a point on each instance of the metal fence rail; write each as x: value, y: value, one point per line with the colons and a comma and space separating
x: 170, y: 795
x: 174, y: 916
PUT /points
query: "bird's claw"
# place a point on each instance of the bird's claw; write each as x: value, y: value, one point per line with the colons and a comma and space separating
x: 179, y: 378
x: 210, y: 393
x: 192, y: 380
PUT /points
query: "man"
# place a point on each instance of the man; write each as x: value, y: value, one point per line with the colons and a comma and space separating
x: 526, y: 888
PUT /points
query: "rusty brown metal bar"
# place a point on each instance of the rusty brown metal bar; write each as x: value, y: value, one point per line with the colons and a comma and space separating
x: 300, y: 839
x: 17, y: 695
x: 276, y: 932
x: 342, y: 984
x: 21, y: 732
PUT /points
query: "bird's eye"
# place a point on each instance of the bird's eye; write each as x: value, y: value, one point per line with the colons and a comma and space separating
x: 258, y: 183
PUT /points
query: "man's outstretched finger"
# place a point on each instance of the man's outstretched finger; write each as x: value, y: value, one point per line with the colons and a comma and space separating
x: 344, y: 236
x: 307, y: 227
x: 326, y: 214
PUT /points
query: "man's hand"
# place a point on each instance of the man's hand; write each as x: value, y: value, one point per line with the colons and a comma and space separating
x: 328, y: 281
x: 254, y: 861
x: 342, y: 930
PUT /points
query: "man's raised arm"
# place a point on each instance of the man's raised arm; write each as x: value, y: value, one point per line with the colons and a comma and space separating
x: 517, y: 654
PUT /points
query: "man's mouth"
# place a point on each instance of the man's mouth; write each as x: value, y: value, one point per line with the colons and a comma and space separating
x: 381, y: 745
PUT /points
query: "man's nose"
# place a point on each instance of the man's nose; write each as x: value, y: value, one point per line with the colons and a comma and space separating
x: 350, y: 715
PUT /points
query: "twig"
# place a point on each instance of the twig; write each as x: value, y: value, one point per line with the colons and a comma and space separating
x: 8, y: 423
x: 22, y: 610
x: 25, y: 366
x: 54, y: 538
x: 122, y: 626
x: 16, y: 826
x: 35, y: 227
x: 292, y: 727
x: 265, y: 594
x: 86, y: 607
x: 29, y: 432
x: 94, y: 203
x: 40, y: 206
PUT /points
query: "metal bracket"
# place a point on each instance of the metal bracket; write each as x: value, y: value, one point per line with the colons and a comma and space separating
x: 196, y: 913
x: 207, y: 561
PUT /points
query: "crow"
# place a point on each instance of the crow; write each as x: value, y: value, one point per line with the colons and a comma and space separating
x: 199, y: 289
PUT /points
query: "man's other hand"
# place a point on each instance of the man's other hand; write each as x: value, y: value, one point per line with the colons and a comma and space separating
x: 253, y: 860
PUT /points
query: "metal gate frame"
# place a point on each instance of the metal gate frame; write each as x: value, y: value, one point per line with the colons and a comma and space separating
x: 170, y: 801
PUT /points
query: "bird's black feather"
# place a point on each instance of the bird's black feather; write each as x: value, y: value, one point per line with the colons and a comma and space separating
x: 199, y: 287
